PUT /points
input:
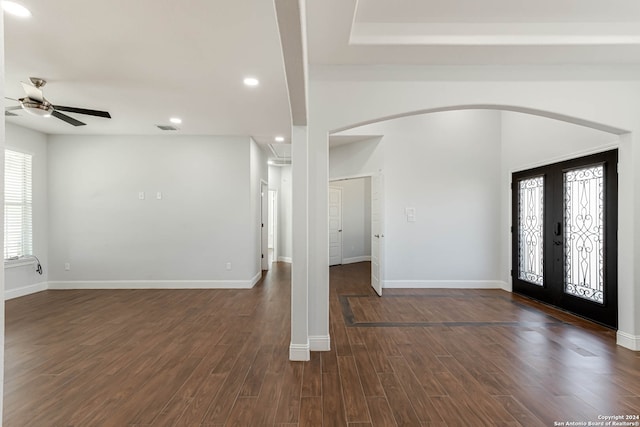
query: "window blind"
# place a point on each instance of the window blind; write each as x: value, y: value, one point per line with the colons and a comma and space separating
x: 18, y: 229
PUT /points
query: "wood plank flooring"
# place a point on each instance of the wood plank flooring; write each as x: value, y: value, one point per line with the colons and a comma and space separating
x: 220, y: 358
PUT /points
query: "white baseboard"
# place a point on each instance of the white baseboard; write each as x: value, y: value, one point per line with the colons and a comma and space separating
x: 155, y: 284
x: 355, y: 259
x: 25, y: 290
x: 632, y: 342
x: 444, y: 284
x: 256, y: 279
x: 299, y: 352
x: 320, y: 343
x: 284, y: 259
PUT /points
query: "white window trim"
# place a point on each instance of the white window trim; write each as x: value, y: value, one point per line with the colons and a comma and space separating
x: 19, y: 262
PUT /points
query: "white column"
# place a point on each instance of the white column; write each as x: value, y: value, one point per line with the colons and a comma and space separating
x: 319, y: 339
x: 299, y: 347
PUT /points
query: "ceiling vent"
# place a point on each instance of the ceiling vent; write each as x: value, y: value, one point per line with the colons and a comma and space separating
x: 164, y: 127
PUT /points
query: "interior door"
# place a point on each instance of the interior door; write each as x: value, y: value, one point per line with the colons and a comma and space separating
x: 565, y: 235
x: 377, y: 235
x: 335, y: 226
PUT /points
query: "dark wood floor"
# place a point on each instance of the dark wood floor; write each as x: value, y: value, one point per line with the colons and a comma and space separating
x: 214, y: 358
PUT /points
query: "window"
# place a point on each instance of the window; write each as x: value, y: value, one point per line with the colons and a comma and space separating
x: 18, y: 235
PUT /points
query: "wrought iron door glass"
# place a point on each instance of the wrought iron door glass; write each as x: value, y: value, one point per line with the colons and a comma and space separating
x: 584, y: 233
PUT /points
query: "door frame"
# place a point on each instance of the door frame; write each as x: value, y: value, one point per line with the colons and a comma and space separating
x: 264, y: 218
x: 363, y: 175
x: 273, y: 220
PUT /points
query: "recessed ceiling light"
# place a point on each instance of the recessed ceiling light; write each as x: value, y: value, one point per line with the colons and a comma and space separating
x: 251, y: 81
x: 279, y: 138
x: 16, y: 9
x: 175, y: 120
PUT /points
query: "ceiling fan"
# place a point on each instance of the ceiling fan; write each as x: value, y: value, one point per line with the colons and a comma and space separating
x: 35, y: 103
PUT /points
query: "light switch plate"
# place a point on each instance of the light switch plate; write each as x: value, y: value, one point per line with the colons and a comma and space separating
x: 411, y: 214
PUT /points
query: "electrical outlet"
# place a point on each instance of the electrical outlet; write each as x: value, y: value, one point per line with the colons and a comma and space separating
x: 228, y: 266
x: 67, y: 266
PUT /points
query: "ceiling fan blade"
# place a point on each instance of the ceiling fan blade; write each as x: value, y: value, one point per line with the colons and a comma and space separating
x: 10, y: 114
x: 13, y: 99
x: 67, y: 119
x: 17, y: 107
x: 33, y: 92
x: 97, y: 113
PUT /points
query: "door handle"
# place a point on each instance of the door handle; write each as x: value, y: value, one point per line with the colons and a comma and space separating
x: 339, y: 231
x: 377, y: 236
x: 558, y: 229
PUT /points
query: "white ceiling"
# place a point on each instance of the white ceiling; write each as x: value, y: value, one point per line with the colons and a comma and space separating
x: 471, y: 32
x: 148, y: 60
x: 281, y: 151
x: 145, y: 61
x: 550, y: 11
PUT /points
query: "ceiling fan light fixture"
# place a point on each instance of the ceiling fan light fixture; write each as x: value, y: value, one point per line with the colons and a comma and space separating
x: 16, y: 9
x: 36, y: 108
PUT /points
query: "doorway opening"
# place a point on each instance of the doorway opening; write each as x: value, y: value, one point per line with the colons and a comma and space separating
x: 355, y: 222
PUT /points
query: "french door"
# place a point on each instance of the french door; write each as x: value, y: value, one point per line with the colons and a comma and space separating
x: 564, y: 235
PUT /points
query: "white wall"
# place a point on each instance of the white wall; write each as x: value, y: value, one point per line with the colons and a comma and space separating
x: 530, y: 141
x: 356, y: 219
x: 23, y: 279
x: 280, y: 180
x: 359, y: 158
x: 446, y: 166
x: 204, y: 219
